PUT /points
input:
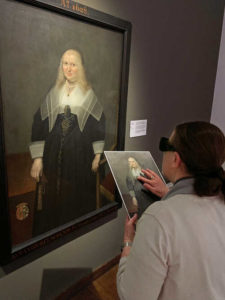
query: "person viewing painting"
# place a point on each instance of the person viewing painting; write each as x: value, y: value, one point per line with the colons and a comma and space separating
x: 68, y: 136
x: 177, y: 250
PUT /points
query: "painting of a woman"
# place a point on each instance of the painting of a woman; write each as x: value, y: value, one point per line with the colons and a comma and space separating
x: 68, y: 136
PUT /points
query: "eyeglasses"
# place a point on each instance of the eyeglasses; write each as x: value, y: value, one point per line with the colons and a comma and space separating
x: 164, y: 145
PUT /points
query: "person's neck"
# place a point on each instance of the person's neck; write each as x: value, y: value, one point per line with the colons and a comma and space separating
x: 180, y: 175
x: 183, y: 178
x: 70, y: 86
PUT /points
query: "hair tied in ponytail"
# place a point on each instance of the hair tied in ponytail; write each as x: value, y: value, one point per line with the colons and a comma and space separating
x: 210, y: 183
x: 221, y: 175
x: 217, y: 173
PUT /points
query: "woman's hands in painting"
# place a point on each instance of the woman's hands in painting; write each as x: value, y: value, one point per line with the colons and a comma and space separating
x: 129, y: 233
x: 37, y: 169
x: 153, y: 183
x: 95, y: 163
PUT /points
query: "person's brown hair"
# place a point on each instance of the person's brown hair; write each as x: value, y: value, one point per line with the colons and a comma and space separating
x: 201, y: 146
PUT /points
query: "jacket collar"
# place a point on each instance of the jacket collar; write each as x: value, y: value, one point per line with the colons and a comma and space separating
x: 181, y: 186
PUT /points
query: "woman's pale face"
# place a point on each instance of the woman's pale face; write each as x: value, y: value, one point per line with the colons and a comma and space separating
x: 70, y: 67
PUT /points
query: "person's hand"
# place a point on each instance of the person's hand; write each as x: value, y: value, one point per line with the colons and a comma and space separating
x: 95, y: 163
x: 36, y: 169
x: 129, y: 233
x: 154, y: 183
x: 129, y: 228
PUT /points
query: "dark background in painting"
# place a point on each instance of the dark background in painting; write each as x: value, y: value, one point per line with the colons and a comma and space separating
x: 32, y: 43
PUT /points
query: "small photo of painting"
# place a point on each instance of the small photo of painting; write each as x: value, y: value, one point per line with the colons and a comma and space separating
x: 126, y: 166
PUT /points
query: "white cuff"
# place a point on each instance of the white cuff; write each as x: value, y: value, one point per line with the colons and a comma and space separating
x: 98, y: 146
x: 37, y: 149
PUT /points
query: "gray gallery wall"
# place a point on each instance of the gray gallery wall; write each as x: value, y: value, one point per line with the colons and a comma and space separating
x: 173, y: 66
x: 218, y: 108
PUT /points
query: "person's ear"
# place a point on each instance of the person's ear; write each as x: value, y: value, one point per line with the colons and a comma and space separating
x: 177, y: 160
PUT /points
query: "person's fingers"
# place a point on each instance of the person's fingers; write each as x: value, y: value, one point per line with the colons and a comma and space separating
x: 127, y: 219
x: 94, y: 167
x: 36, y: 174
x: 134, y: 219
x: 149, y: 187
x: 150, y: 174
x: 33, y: 174
x: 145, y: 180
x: 152, y: 189
x: 145, y: 171
x: 153, y: 173
x: 131, y: 221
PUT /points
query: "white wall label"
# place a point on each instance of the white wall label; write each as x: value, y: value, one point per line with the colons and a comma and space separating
x: 138, y: 128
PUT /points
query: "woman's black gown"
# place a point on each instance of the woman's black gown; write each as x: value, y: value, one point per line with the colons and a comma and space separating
x: 70, y: 185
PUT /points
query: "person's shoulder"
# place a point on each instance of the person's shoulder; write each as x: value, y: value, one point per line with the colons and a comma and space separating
x: 87, y: 91
x: 163, y: 212
x: 172, y: 205
x: 156, y: 210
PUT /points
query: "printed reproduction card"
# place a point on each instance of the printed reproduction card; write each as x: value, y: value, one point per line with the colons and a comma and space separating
x: 126, y: 167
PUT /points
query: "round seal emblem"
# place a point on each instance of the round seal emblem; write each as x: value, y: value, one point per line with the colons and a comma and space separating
x: 22, y: 211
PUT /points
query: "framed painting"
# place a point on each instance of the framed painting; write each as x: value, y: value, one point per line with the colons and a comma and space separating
x: 63, y: 79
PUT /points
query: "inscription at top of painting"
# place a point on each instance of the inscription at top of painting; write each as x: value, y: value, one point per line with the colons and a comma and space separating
x: 71, y: 4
